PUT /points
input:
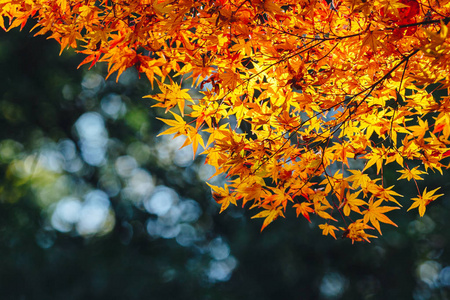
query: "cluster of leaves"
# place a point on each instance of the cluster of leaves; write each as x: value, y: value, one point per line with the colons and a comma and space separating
x: 300, y: 99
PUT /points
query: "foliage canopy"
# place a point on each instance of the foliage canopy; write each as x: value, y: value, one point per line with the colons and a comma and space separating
x: 302, y: 102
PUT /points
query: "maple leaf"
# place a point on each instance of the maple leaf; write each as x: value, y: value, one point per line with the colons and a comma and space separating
x: 304, y: 209
x: 411, y: 174
x: 423, y: 200
x: 230, y: 78
x: 195, y: 139
x: 171, y: 96
x: 421, y: 129
x: 375, y: 214
x: 251, y: 188
x: 279, y: 197
x: 352, y: 203
x: 375, y: 157
x: 321, y: 205
x: 390, y: 8
x: 372, y: 41
x: 359, y: 179
x: 380, y: 192
x: 270, y: 215
x: 328, y: 229
x: 178, y: 126
x: 222, y: 196
x: 355, y: 231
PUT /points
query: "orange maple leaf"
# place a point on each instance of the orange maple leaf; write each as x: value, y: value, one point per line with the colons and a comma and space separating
x: 375, y: 214
x: 355, y: 231
x: 222, y: 196
x: 352, y: 203
x: 270, y: 215
x: 304, y: 209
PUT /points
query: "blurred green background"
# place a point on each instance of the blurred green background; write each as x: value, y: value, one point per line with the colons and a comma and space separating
x: 94, y: 206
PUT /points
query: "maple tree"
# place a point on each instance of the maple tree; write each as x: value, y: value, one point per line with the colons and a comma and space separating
x: 302, y: 103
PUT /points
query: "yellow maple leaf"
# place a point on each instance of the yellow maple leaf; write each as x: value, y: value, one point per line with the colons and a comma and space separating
x: 270, y: 215
x: 177, y: 126
x: 359, y: 179
x: 328, y: 229
x: 411, y: 174
x: 171, y: 96
x: 195, y: 139
x: 423, y: 200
